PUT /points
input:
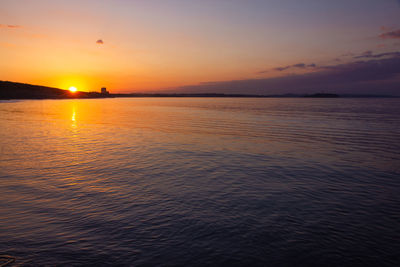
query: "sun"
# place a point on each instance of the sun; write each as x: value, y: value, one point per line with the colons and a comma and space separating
x: 72, y: 89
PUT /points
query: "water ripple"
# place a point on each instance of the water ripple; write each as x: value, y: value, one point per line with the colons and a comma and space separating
x: 254, y: 182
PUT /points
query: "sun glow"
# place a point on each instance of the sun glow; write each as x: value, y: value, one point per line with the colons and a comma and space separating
x: 72, y: 89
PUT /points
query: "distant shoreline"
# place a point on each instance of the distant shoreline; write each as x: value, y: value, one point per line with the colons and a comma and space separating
x: 21, y: 91
x: 317, y: 95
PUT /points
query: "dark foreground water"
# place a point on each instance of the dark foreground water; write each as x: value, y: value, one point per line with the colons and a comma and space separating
x: 197, y: 182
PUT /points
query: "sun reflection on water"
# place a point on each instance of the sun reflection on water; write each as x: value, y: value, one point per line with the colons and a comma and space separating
x: 73, y: 117
x: 74, y: 126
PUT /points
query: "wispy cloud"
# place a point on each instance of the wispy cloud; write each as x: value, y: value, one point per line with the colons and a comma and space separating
x: 100, y: 41
x: 370, y: 54
x: 379, y: 75
x: 298, y: 66
x: 395, y: 34
x: 8, y: 26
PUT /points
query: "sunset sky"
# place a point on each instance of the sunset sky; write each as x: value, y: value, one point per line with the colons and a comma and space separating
x: 231, y: 46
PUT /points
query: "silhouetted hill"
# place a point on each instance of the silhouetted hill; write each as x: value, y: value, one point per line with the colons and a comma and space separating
x: 12, y: 90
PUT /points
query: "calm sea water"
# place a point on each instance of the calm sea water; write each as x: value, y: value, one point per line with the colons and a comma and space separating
x: 200, y: 181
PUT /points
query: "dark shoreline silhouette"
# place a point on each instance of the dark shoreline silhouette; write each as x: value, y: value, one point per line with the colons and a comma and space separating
x: 13, y: 90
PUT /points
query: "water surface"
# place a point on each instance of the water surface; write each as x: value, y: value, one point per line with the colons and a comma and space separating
x: 200, y: 181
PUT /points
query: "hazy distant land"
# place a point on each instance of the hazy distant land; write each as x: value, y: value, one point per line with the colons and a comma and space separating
x: 13, y: 90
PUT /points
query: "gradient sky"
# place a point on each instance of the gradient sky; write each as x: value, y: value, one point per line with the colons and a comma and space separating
x: 252, y: 46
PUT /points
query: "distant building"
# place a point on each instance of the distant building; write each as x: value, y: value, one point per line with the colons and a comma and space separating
x: 104, y: 90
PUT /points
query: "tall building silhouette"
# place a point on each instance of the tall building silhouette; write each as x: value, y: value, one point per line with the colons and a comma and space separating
x: 104, y: 90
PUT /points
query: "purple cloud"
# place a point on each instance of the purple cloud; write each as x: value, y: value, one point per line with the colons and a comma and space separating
x: 100, y: 42
x: 375, y: 76
x: 282, y: 68
x: 391, y: 35
x: 298, y: 65
x: 369, y: 54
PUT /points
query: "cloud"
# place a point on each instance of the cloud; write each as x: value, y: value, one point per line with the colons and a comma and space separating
x: 365, y: 54
x: 100, y: 41
x: 375, y: 76
x: 370, y: 54
x: 395, y: 34
x: 298, y: 65
x: 10, y: 26
x: 282, y: 68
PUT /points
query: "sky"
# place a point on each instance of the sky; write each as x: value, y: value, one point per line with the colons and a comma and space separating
x: 219, y: 46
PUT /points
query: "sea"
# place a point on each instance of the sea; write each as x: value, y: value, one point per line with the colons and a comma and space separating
x: 200, y: 182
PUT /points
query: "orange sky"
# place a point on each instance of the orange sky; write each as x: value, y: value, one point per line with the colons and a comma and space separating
x: 153, y: 45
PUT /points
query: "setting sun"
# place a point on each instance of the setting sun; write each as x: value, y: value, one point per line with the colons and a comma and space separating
x: 72, y: 89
